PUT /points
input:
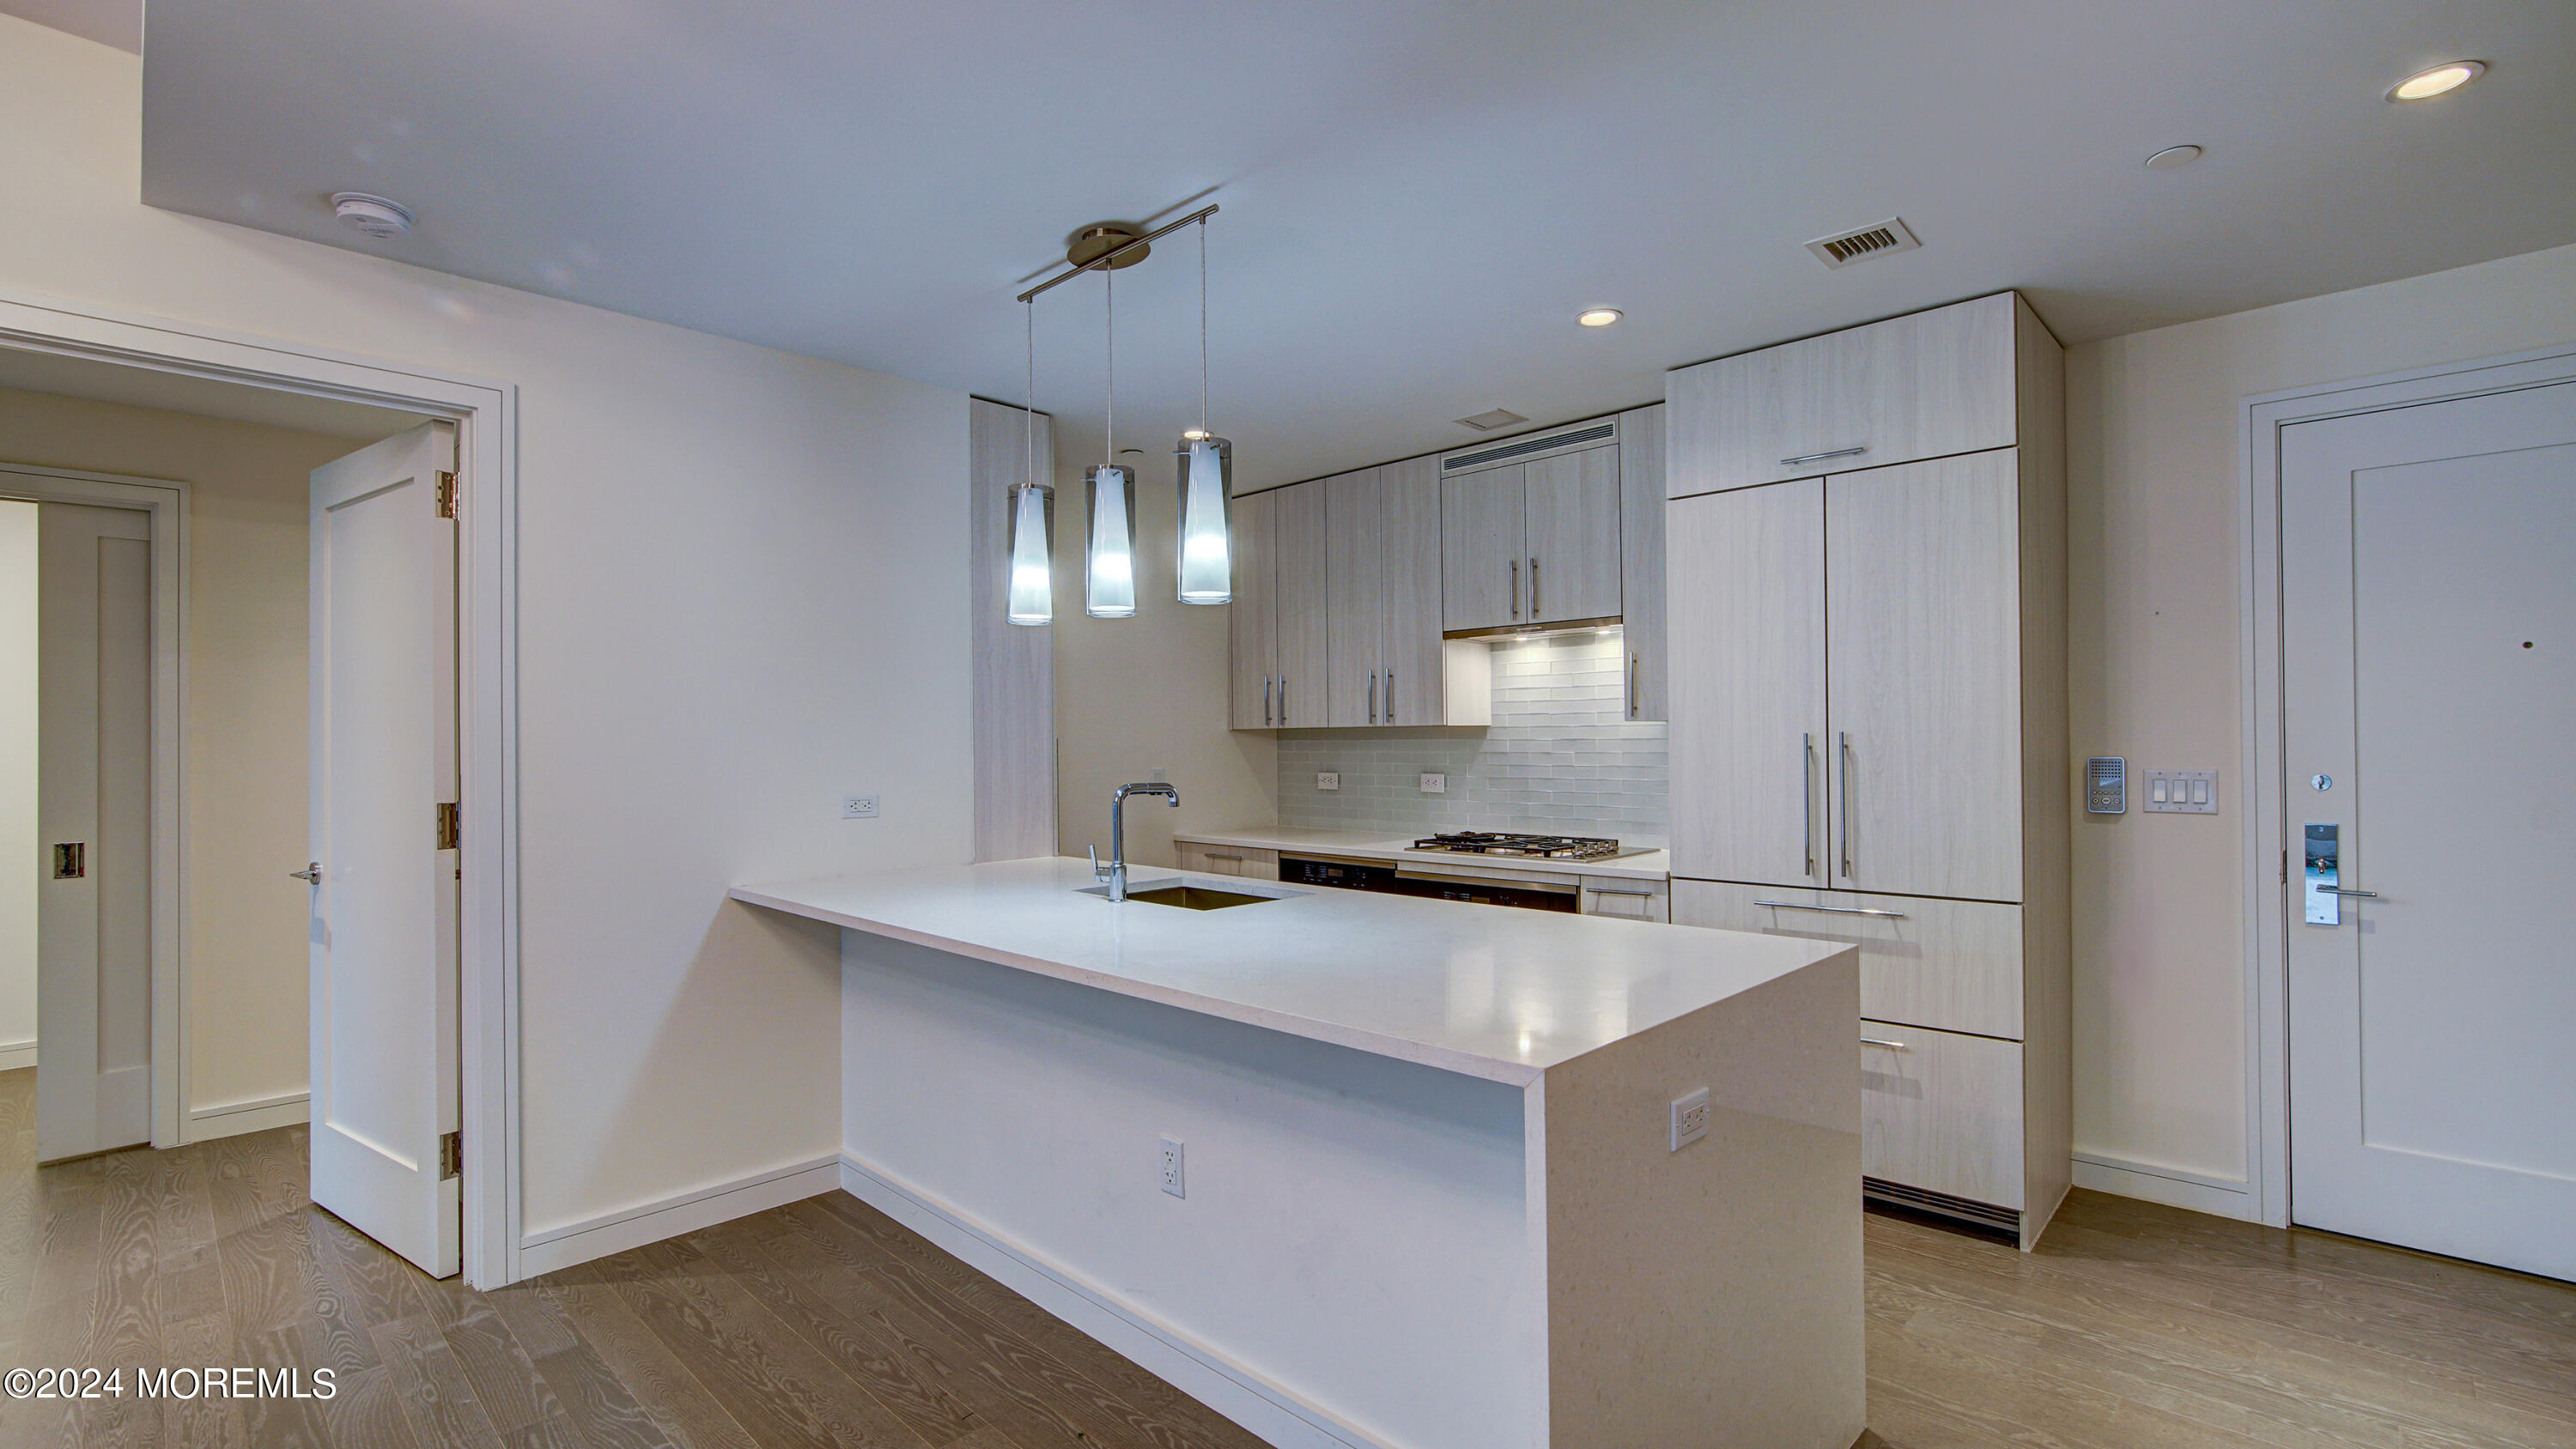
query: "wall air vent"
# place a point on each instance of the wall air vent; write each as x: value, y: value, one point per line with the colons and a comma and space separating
x: 1522, y: 448
x: 1498, y: 418
x: 1882, y: 239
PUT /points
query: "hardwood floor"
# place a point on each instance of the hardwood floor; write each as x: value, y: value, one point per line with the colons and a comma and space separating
x: 825, y: 1323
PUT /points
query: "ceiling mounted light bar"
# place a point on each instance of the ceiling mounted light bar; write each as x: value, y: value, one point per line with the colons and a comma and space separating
x: 1108, y: 259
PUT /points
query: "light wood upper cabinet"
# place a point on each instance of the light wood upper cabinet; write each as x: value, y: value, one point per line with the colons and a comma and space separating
x: 1252, y: 619
x: 1747, y: 623
x: 1922, y: 386
x: 1570, y: 509
x: 1923, y: 591
x: 1641, y: 561
x: 1482, y: 531
x: 1355, y: 590
x: 1302, y: 605
x: 1420, y: 678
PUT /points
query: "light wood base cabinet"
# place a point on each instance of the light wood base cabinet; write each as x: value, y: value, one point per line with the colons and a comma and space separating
x: 1248, y: 862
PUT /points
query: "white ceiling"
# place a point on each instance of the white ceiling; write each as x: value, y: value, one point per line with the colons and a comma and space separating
x: 1417, y: 196
x: 109, y: 22
x: 176, y: 392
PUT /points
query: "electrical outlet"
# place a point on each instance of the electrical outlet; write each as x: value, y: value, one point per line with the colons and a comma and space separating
x: 1328, y: 780
x: 1173, y: 1180
x: 1434, y: 784
x: 1689, y: 1119
x: 858, y: 807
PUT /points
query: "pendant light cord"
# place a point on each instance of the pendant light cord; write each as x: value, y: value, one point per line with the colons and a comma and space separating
x: 1029, y: 414
x: 1109, y: 366
x: 1203, y: 427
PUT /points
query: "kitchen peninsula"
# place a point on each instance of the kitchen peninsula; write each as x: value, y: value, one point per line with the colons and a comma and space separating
x: 1373, y: 1170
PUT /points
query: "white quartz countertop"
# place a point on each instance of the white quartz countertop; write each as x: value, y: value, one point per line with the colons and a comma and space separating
x: 1377, y: 845
x: 1485, y: 992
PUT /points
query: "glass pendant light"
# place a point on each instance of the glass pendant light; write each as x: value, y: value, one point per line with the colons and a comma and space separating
x: 1207, y: 488
x: 1109, y: 565
x: 1031, y: 593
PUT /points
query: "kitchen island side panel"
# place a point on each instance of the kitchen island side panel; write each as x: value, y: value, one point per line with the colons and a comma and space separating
x: 1355, y: 1243
x: 1711, y: 1294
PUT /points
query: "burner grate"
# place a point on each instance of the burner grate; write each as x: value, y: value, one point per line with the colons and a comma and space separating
x: 1493, y: 842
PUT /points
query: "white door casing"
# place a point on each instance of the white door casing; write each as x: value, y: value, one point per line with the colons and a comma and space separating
x: 94, y: 927
x: 384, y: 759
x: 2422, y: 549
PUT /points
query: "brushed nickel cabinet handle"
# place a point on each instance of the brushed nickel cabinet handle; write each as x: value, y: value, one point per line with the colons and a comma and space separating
x: 1820, y: 457
x: 1632, y: 686
x: 310, y: 875
x: 1603, y: 890
x: 1847, y: 807
x: 1894, y: 1046
x: 1516, y: 588
x: 1390, y: 696
x: 1832, y: 910
x: 1372, y: 696
x: 1533, y: 586
x: 1807, y: 798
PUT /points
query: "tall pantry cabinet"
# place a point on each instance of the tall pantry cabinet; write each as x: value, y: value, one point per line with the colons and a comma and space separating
x: 1866, y: 578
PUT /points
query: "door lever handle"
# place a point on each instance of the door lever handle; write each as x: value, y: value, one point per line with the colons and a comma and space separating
x: 310, y: 875
x: 2340, y: 891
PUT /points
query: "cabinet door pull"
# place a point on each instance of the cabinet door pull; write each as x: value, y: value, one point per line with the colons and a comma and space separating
x: 1894, y: 1046
x: 1820, y: 457
x: 1807, y: 798
x: 1832, y: 910
x: 1372, y: 696
x: 1602, y: 890
x: 1283, y: 700
x: 1265, y: 699
x: 1390, y: 696
x: 1533, y: 586
x: 1847, y: 808
x: 1217, y: 855
x: 1516, y: 588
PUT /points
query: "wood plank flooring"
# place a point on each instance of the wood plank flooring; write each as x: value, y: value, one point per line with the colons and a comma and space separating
x: 824, y: 1323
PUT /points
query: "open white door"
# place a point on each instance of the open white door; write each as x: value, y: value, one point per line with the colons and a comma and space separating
x: 94, y: 807
x: 385, y: 844
x: 2429, y: 674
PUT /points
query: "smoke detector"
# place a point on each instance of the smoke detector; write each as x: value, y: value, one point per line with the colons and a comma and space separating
x: 1878, y: 239
x: 1486, y: 422
x: 372, y: 216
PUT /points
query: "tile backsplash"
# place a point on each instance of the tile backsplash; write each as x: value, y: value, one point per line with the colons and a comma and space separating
x: 1558, y: 759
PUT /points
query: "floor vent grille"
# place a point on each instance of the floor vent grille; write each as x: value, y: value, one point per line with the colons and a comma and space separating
x: 1598, y: 432
x: 1923, y: 1199
x: 1879, y: 239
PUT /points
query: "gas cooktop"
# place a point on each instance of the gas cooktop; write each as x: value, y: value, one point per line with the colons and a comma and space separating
x: 1549, y: 847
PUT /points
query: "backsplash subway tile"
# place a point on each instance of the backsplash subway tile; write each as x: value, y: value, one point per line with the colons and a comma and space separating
x: 1559, y: 758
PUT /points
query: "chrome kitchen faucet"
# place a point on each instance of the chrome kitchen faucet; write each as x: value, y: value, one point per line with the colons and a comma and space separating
x: 1116, y: 874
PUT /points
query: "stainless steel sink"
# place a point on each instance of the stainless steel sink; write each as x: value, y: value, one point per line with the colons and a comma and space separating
x: 1191, y: 897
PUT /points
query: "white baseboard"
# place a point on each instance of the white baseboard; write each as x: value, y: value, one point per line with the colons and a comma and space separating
x: 1195, y: 1367
x: 17, y: 1055
x: 2171, y: 1186
x: 257, y: 1114
x: 566, y: 1244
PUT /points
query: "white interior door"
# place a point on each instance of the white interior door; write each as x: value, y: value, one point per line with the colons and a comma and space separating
x: 384, y: 933
x: 2429, y: 677
x: 94, y: 805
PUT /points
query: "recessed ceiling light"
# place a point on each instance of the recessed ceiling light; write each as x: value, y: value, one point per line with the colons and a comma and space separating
x: 2173, y: 156
x: 1599, y: 316
x: 2423, y: 85
x: 373, y: 216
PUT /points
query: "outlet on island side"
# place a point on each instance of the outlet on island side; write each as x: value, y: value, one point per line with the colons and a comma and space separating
x: 1689, y: 1118
x: 858, y: 807
x: 1174, y: 1182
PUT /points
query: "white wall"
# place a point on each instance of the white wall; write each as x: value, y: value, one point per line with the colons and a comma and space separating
x: 1147, y: 694
x: 2153, y: 474
x: 19, y: 847
x: 244, y: 739
x: 742, y: 584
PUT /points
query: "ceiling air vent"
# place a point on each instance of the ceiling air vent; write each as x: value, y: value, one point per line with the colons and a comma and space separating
x: 1543, y: 443
x: 1498, y: 418
x: 1881, y: 239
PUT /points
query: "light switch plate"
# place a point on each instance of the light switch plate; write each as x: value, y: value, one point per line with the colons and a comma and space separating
x: 858, y: 807
x: 1434, y: 784
x: 2177, y: 792
x: 1328, y: 780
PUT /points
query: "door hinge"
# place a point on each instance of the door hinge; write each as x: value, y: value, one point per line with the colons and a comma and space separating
x: 449, y: 830
x: 2285, y: 867
x: 451, y: 1155
x: 447, y: 495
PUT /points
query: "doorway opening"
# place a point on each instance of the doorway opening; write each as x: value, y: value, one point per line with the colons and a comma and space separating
x: 158, y: 592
